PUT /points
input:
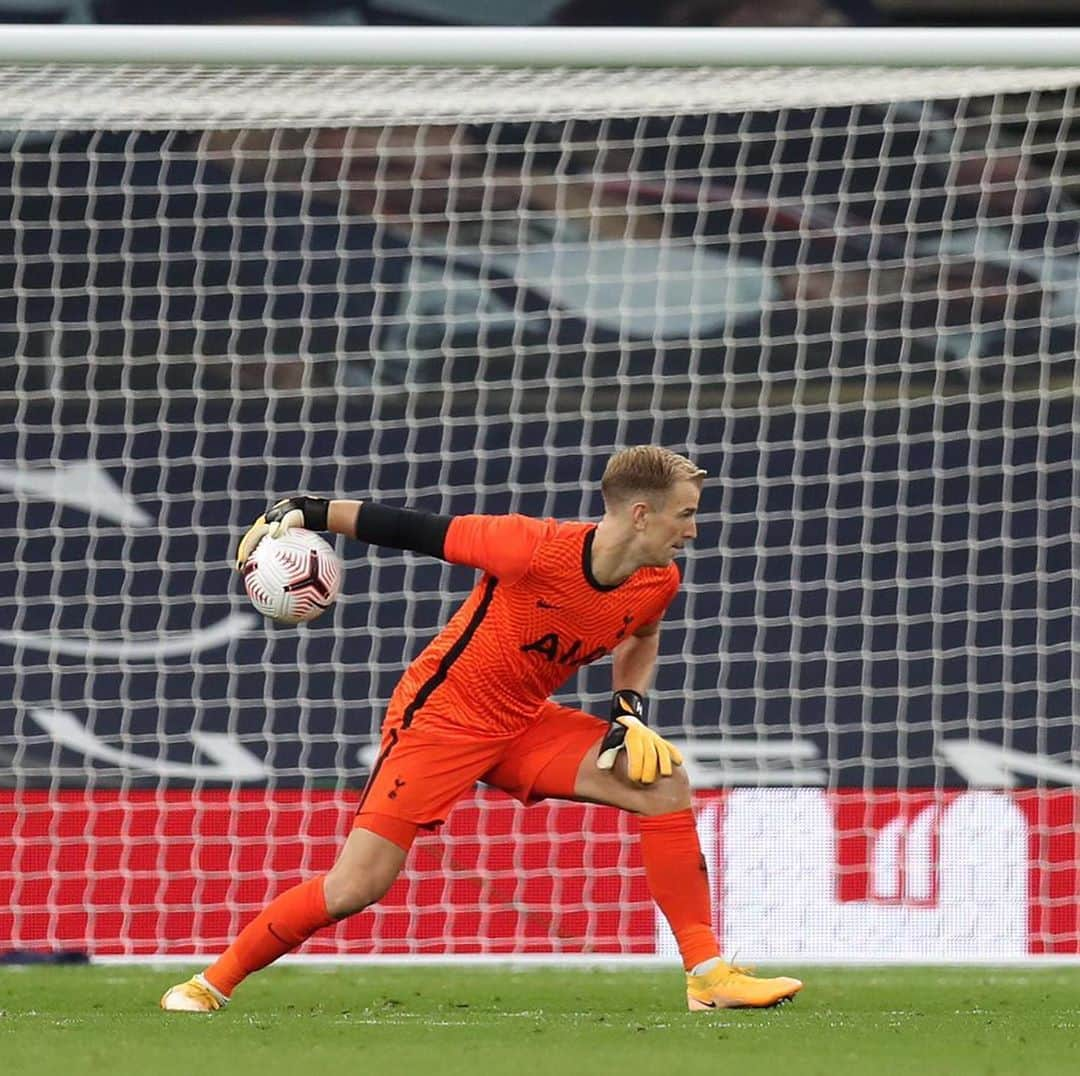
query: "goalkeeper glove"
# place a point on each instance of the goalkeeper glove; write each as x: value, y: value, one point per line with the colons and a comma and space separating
x: 301, y: 511
x: 647, y: 752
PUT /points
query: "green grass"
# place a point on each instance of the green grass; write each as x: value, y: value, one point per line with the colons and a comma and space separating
x: 446, y: 1020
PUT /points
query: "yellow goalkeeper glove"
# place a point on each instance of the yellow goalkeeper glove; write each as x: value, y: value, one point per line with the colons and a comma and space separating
x: 648, y: 754
x: 301, y: 511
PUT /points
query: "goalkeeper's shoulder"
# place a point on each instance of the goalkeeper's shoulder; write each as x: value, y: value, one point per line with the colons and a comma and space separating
x: 503, y: 545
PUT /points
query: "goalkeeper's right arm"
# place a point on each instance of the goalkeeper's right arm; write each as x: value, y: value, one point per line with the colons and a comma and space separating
x: 378, y: 524
x: 310, y: 513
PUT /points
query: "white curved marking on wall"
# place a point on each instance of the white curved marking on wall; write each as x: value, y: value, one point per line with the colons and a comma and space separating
x: 86, y: 486
x: 231, y: 760
x: 135, y: 649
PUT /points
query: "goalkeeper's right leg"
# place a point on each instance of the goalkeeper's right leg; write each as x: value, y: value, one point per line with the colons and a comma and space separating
x: 364, y: 871
x: 195, y: 995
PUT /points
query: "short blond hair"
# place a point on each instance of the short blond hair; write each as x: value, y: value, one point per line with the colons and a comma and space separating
x: 646, y: 470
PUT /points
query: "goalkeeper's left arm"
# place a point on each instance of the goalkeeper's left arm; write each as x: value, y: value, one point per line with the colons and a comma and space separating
x: 648, y: 754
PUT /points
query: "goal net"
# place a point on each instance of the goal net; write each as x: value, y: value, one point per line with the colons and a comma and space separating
x: 850, y: 293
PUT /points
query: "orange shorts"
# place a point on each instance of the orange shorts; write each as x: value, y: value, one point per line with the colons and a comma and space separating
x: 424, y: 769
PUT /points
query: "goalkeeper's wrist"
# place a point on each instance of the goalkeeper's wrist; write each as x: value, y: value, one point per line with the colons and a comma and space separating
x: 628, y: 703
x: 313, y: 509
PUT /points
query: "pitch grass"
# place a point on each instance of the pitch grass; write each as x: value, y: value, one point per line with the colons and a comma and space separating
x: 453, y: 1021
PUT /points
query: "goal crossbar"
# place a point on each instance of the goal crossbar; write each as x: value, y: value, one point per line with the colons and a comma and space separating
x: 540, y: 46
x: 270, y: 76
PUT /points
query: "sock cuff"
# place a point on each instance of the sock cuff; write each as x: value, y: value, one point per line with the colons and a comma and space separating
x: 697, y: 944
x: 315, y: 905
x: 668, y: 823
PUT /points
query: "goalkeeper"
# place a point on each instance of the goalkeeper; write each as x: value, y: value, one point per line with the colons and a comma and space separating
x: 475, y: 706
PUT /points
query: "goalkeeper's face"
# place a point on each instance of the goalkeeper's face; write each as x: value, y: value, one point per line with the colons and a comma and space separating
x: 665, y: 526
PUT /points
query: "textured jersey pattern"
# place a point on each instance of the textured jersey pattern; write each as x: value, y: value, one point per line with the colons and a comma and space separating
x: 521, y: 636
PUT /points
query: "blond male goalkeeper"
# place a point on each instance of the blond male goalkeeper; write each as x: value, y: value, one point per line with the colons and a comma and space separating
x: 475, y: 706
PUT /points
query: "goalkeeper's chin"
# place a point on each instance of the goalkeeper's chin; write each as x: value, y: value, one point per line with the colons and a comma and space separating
x: 670, y: 555
x: 663, y: 557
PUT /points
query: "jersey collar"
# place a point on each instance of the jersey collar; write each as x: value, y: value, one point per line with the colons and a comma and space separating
x: 586, y: 564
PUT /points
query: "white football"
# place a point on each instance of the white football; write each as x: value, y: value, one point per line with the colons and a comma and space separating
x: 294, y: 578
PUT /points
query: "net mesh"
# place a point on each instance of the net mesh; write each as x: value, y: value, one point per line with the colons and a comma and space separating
x: 853, y: 300
x: 164, y: 97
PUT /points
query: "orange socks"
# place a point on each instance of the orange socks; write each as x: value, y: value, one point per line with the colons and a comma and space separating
x: 280, y: 927
x: 674, y: 869
x: 679, y: 883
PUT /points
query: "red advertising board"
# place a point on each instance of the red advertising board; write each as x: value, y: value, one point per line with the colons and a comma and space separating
x: 883, y: 874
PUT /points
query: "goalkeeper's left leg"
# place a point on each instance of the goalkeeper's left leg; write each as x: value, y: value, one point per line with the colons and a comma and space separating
x: 679, y: 883
x: 671, y: 853
x: 559, y: 756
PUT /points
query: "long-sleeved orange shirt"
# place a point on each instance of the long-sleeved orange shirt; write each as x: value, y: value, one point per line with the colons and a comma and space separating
x: 534, y: 618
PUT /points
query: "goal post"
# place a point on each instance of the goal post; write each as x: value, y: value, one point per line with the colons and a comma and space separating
x: 455, y: 269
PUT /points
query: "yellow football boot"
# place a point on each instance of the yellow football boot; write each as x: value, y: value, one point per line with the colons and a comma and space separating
x: 728, y: 987
x: 196, y: 995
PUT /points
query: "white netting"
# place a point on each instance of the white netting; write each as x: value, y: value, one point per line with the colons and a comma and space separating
x: 459, y: 290
x: 74, y: 96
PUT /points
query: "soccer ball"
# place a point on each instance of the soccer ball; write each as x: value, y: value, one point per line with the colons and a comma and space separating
x: 294, y: 578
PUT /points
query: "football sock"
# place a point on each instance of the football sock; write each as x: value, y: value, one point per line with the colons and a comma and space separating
x: 679, y: 883
x: 279, y: 928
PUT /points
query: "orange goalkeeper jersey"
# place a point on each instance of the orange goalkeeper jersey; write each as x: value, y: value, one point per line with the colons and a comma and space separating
x: 534, y: 618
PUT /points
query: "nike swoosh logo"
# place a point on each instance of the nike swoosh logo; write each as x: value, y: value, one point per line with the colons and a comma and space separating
x: 545, y: 605
x: 160, y: 646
